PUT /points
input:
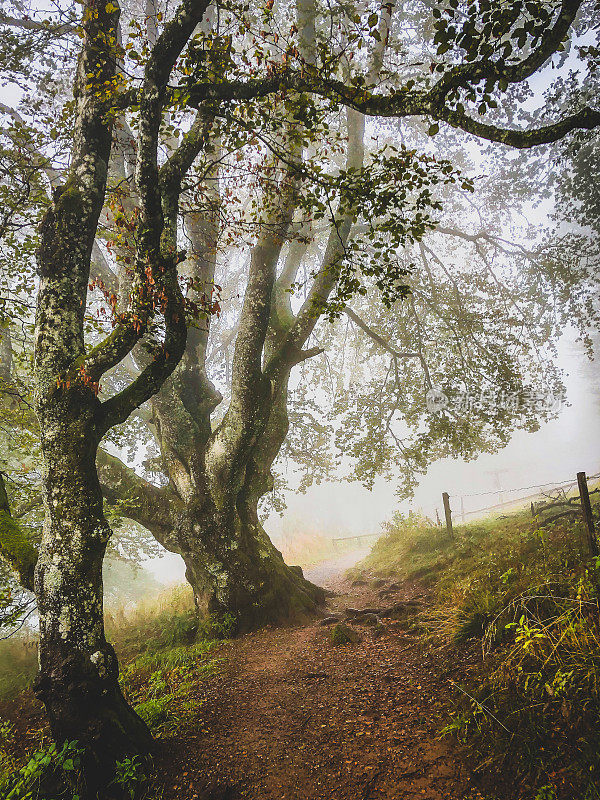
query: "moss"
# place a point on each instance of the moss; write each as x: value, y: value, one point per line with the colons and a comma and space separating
x: 343, y: 634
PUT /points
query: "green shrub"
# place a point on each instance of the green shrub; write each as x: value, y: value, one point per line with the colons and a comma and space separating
x: 163, y: 686
x: 218, y: 626
x: 50, y: 771
x: 129, y: 776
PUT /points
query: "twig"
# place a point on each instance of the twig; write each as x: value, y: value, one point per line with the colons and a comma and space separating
x: 484, y: 708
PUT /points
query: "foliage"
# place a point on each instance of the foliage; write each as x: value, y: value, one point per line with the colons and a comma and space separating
x: 411, y: 547
x: 54, y: 773
x: 130, y: 776
x: 167, y: 619
x: 164, y: 687
x: 264, y: 96
x: 166, y: 652
x: 51, y: 773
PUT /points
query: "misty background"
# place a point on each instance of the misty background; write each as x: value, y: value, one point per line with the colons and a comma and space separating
x: 568, y: 444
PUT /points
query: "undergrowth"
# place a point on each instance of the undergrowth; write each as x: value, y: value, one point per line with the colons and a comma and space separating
x: 516, y: 605
x: 163, y: 686
x: 165, y: 652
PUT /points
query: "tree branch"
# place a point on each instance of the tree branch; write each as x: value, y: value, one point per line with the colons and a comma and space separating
x: 135, y: 497
x: 376, y: 337
x: 585, y: 119
x: 465, y: 75
x: 28, y: 24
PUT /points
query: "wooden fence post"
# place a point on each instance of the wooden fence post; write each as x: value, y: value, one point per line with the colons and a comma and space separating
x: 586, y: 508
x: 448, y: 513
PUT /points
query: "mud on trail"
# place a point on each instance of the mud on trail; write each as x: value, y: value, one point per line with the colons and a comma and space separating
x: 292, y: 717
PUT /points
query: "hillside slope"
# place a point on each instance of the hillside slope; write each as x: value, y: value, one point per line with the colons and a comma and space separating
x: 524, y: 596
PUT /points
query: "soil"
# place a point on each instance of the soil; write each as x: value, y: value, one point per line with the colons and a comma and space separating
x: 292, y: 717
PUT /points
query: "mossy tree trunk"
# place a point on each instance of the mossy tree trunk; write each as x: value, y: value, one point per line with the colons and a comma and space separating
x: 208, y: 512
x: 231, y: 564
x: 78, y: 677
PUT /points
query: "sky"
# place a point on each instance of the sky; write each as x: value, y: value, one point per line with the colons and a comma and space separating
x: 555, y: 453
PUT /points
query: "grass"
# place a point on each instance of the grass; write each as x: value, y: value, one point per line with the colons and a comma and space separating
x: 164, y: 686
x: 526, y: 598
x: 18, y: 664
x: 165, y: 653
x: 306, y: 547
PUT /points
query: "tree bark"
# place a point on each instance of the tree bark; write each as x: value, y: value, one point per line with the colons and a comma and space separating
x: 231, y: 564
x: 78, y: 677
x: 219, y: 477
x: 239, y: 572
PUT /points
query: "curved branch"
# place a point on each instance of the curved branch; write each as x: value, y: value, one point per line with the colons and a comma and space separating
x: 377, y: 337
x: 120, y: 342
x: 585, y: 119
x: 135, y: 497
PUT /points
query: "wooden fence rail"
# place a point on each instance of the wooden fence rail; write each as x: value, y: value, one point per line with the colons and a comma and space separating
x: 358, y: 538
x: 576, y: 505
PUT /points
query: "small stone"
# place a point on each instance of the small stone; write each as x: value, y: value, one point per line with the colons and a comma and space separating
x: 360, y: 612
x: 379, y: 630
x: 367, y: 619
x: 329, y: 620
x: 402, y: 609
x: 343, y: 634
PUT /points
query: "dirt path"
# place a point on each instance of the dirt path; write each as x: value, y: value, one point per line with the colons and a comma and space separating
x: 328, y: 573
x: 291, y: 717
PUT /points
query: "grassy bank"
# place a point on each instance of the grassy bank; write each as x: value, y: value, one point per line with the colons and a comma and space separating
x: 515, y: 616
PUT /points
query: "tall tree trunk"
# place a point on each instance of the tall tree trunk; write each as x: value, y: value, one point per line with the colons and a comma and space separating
x: 238, y: 571
x: 78, y: 677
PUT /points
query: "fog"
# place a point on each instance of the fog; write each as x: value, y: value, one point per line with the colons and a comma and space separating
x: 554, y: 454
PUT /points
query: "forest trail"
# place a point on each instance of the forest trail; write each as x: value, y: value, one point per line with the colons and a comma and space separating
x: 292, y: 717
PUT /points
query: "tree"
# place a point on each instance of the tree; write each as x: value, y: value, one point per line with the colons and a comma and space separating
x: 250, y: 76
x: 78, y: 679
x: 221, y: 470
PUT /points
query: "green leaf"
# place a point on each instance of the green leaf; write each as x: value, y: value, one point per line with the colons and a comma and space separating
x: 433, y: 129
